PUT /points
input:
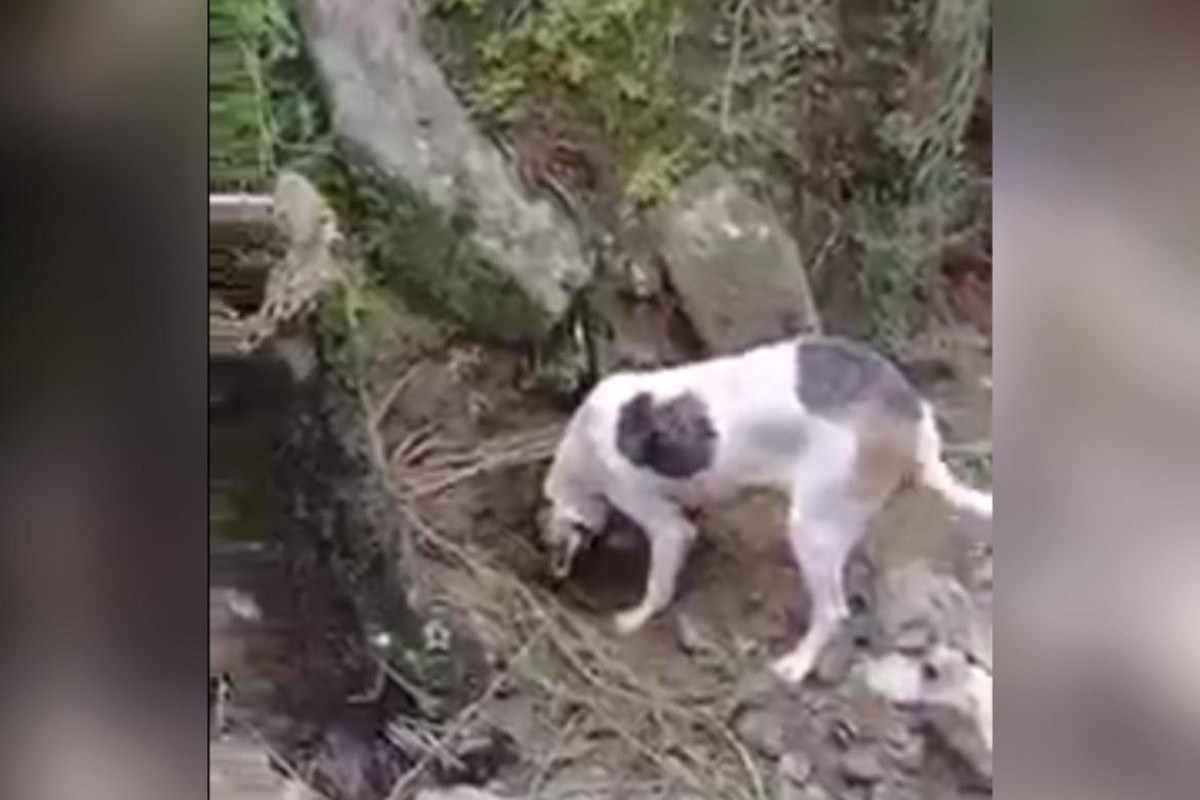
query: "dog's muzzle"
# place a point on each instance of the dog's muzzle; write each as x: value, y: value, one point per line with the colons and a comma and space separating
x: 563, y: 550
x: 561, y: 559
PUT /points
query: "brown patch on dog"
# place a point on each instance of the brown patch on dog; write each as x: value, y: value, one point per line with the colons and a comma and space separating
x: 674, y: 438
x: 885, y: 456
x: 834, y: 375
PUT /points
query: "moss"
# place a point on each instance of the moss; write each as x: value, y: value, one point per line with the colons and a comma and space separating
x: 267, y: 113
x: 424, y: 256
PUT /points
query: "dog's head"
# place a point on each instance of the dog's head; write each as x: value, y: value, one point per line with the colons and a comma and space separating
x: 562, y: 535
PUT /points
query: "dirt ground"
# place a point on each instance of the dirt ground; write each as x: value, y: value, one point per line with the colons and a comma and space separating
x: 740, y: 602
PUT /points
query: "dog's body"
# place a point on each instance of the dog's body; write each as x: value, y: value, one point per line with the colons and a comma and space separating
x: 827, y: 422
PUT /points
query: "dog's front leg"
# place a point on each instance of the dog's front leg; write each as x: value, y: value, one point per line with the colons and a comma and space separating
x: 671, y: 536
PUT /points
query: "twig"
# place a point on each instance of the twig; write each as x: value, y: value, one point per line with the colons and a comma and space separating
x: 283, y: 763
x: 384, y: 671
x: 530, y: 456
x: 462, y: 720
x: 384, y: 405
x: 412, y: 447
x: 818, y: 260
x: 547, y: 763
x: 561, y: 637
x: 735, y: 56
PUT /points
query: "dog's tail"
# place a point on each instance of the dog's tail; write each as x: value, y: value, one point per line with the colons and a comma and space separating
x: 932, y: 470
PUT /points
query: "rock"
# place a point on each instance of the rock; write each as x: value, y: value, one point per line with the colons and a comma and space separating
x: 913, y: 640
x: 762, y: 730
x: 786, y: 790
x: 692, y: 640
x: 795, y: 767
x: 391, y: 103
x: 862, y: 764
x: 953, y: 694
x: 918, y: 608
x: 756, y: 688
x: 943, y: 658
x: 638, y: 280
x: 906, y: 748
x: 888, y: 790
x: 310, y: 265
x: 834, y: 662
x: 456, y: 793
x: 958, y: 697
x: 738, y: 274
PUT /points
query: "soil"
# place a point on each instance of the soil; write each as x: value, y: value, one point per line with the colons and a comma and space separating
x: 740, y: 603
x: 741, y: 600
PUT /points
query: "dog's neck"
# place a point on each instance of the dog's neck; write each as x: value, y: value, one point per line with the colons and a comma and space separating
x: 568, y: 487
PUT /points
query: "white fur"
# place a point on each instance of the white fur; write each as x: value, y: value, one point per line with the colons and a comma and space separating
x: 766, y: 439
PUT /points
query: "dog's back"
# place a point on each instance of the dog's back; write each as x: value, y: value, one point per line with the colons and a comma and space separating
x: 710, y: 427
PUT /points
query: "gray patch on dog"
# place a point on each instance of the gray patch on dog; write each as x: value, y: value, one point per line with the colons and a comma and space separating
x: 834, y: 374
x: 674, y: 438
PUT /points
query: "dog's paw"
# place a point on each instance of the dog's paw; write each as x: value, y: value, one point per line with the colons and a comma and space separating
x: 792, y: 668
x: 628, y: 622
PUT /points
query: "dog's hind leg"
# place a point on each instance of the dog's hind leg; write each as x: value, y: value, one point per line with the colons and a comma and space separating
x: 825, y: 523
x: 821, y: 548
x: 670, y: 535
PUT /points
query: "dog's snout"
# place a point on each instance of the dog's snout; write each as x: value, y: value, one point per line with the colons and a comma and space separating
x: 560, y: 562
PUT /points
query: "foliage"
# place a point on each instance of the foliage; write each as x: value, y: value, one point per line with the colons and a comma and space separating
x: 854, y: 110
x: 611, y: 62
x: 265, y: 109
x: 267, y: 113
x: 862, y: 105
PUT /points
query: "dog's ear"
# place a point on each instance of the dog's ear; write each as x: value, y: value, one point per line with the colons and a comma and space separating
x: 635, y: 428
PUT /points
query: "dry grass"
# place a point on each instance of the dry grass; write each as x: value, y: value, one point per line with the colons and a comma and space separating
x: 683, y: 736
x: 450, y: 468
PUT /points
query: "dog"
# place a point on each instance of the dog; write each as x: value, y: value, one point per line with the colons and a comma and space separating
x: 828, y: 422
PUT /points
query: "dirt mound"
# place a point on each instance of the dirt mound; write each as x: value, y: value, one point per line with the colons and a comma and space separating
x: 686, y: 704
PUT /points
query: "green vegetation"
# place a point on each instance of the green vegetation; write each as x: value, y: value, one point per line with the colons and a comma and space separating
x: 848, y: 112
x: 605, y: 67
x: 264, y: 104
x: 847, y: 115
x: 266, y: 113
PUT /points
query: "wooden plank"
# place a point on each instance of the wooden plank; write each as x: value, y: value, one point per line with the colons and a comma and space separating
x: 242, y: 211
x: 223, y: 336
x: 243, y: 244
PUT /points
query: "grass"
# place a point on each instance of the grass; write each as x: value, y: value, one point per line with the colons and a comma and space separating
x: 607, y: 67
x: 265, y: 109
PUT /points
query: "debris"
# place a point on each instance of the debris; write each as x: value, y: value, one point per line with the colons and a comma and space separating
x: 796, y: 767
x: 762, y: 730
x: 862, y: 764
x: 691, y: 638
x: 456, y: 793
x: 834, y: 662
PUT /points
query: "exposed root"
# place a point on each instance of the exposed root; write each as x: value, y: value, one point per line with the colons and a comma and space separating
x: 685, y: 739
x: 444, y: 470
x: 441, y: 747
x: 683, y: 736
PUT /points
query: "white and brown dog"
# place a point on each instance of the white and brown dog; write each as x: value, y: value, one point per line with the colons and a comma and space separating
x: 830, y: 423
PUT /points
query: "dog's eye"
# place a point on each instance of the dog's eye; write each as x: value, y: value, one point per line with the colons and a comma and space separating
x: 929, y: 672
